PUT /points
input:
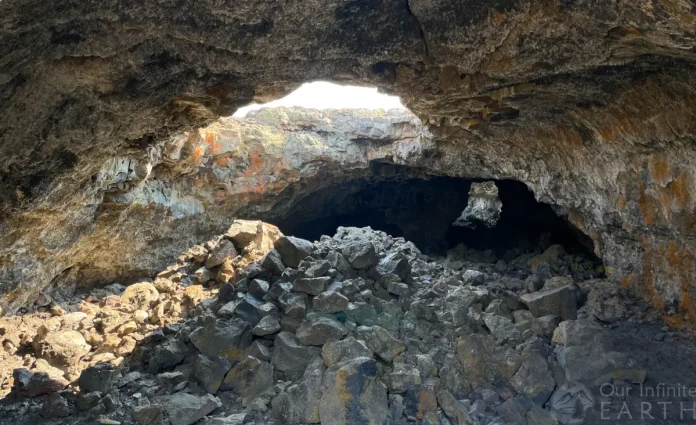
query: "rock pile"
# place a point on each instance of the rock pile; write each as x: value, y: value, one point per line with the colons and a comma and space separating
x: 358, y: 328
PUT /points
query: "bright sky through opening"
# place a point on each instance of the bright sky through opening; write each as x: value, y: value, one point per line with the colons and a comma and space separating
x: 323, y: 95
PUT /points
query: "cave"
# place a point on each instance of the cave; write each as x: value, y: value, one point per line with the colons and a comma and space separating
x: 423, y: 208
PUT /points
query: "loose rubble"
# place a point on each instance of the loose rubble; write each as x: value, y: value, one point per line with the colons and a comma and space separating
x: 260, y: 328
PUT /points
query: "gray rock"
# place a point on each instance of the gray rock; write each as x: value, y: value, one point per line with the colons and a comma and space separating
x: 352, y: 394
x: 149, y: 414
x: 330, y: 302
x: 87, y: 401
x: 362, y: 313
x: 55, y: 406
x: 420, y: 404
x: 293, y: 250
x: 380, y: 341
x: 545, y: 325
x: 561, y: 302
x: 30, y: 384
x: 259, y: 351
x: 267, y: 326
x: 249, y: 308
x: 278, y: 289
x: 514, y: 410
x: 234, y: 419
x: 224, y: 338
x: 339, y: 263
x: 311, y: 285
x: 502, y: 328
x: 273, y: 263
x: 360, y: 254
x: 210, y: 372
x: 290, y: 356
x: 594, y: 365
x: 249, y: 379
x: 185, y: 409
x: 320, y: 330
x: 311, y: 269
x: 483, y: 208
x: 347, y: 349
x: 258, y: 288
x: 401, y: 378
x: 98, y: 378
x: 395, y: 263
x: 453, y: 408
x: 294, y: 305
x: 473, y: 278
x: 484, y: 361
x: 539, y: 416
x: 534, y: 379
x: 299, y: 403
x: 167, y: 355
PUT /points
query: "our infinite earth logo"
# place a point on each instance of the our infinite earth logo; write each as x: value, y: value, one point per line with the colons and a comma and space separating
x: 569, y: 404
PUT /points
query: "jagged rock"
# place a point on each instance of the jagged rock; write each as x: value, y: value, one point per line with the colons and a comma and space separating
x: 360, y: 254
x: 294, y: 305
x: 561, y: 302
x: 473, y: 278
x: 290, y: 356
x: 401, y: 378
x: 150, y: 414
x: 545, y: 325
x: 380, y: 341
x: 300, y: 403
x: 362, y: 313
x: 61, y: 349
x: 87, y: 401
x: 293, y: 250
x: 454, y: 409
x: 55, y: 406
x: 533, y: 379
x: 347, y: 349
x: 311, y: 269
x: 140, y: 295
x: 185, y: 409
x: 258, y: 288
x: 98, y: 378
x: 234, y: 419
x: 502, y: 328
x: 352, y: 394
x: 320, y: 330
x: 249, y: 378
x: 267, y: 326
x: 483, y: 208
x: 243, y: 232
x: 539, y: 416
x: 224, y: 338
x: 484, y: 361
x: 28, y: 384
x: 210, y: 372
x: 339, y: 262
x: 273, y: 263
x: 420, y: 404
x: 515, y: 409
x: 330, y: 302
x: 224, y: 250
x: 167, y: 355
x: 260, y: 351
x: 312, y: 286
x: 249, y: 308
x: 395, y: 263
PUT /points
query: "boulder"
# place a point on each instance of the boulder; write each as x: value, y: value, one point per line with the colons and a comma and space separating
x: 62, y: 349
x: 534, y: 379
x: 560, y: 301
x: 360, y: 254
x: 401, y: 378
x: 273, y: 263
x: 210, y: 372
x: 453, y: 408
x: 293, y: 250
x: 29, y: 384
x: 140, y: 295
x: 290, y: 356
x: 224, y: 338
x: 186, y: 409
x: 330, y: 302
x: 224, y: 250
x: 98, y: 378
x: 150, y: 414
x: 347, y: 349
x: 395, y: 263
x: 300, y: 403
x: 243, y: 232
x: 484, y: 361
x: 249, y: 378
x: 380, y: 341
x: 311, y: 285
x: 352, y: 394
x: 420, y: 404
x: 320, y: 330
x: 293, y: 304
x: 267, y: 326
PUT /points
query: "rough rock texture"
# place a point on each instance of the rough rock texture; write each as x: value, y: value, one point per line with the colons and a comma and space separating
x: 591, y: 104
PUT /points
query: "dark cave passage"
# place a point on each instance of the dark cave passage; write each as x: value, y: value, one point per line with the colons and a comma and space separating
x: 423, y: 211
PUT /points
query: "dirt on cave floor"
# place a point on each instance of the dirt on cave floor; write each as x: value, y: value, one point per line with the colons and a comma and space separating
x: 515, y: 307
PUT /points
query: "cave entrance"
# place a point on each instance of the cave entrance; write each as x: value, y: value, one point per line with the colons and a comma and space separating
x: 424, y: 208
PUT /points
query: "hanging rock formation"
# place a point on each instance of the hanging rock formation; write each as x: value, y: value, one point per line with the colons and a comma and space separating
x: 591, y: 104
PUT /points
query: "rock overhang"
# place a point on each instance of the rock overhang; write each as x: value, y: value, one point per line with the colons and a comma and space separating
x: 589, y: 104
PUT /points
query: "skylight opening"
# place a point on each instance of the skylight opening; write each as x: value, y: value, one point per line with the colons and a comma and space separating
x: 324, y: 95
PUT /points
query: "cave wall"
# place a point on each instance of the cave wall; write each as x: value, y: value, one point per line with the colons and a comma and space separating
x: 591, y: 104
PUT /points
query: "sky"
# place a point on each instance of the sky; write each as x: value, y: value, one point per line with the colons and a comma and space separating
x: 323, y: 95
